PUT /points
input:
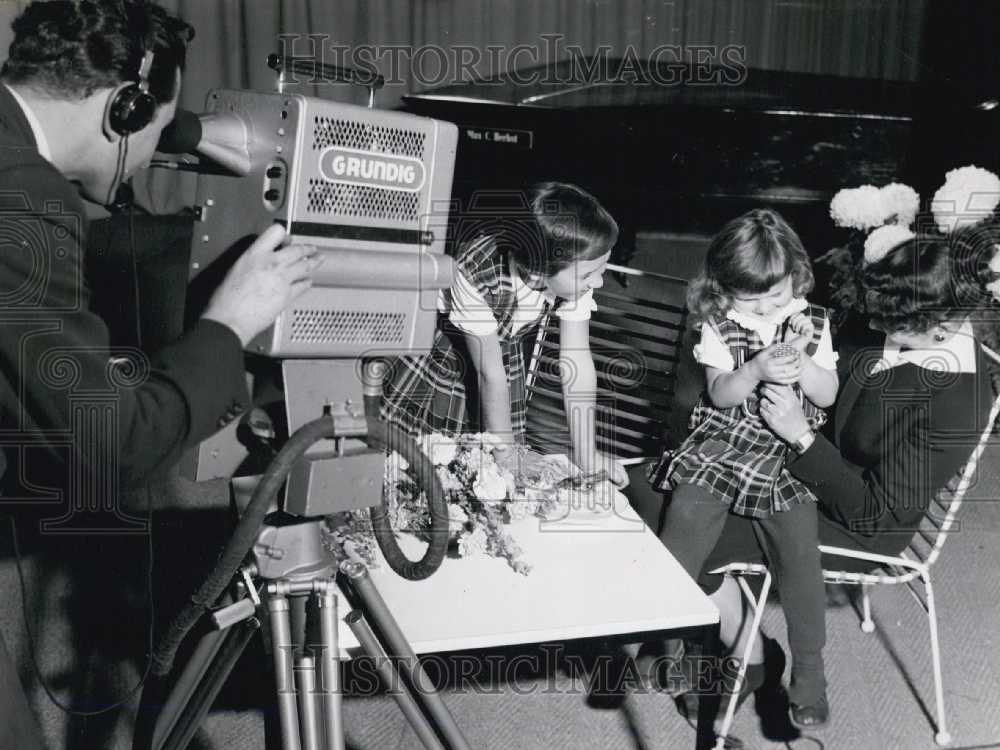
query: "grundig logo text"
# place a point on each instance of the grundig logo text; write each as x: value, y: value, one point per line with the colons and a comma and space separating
x: 371, y: 169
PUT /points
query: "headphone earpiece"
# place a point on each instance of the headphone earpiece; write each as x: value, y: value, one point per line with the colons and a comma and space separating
x: 132, y: 107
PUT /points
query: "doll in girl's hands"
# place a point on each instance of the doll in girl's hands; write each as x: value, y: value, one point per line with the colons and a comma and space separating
x: 799, y: 332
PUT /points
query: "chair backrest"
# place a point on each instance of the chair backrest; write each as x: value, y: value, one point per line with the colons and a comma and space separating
x: 940, y: 519
x: 635, y: 338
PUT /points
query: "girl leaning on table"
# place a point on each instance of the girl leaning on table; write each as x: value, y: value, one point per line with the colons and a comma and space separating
x: 546, y: 261
x: 756, y: 328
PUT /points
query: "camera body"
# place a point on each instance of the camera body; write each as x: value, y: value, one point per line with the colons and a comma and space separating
x: 364, y: 186
x: 367, y: 188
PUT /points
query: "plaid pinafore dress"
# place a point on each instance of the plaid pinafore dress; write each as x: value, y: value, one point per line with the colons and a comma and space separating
x: 731, y: 452
x: 439, y: 392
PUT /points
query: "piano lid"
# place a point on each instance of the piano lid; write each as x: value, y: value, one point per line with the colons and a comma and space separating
x: 592, y: 82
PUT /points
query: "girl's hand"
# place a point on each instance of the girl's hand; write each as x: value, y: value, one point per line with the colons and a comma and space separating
x: 783, y: 368
x: 611, y: 466
x: 782, y: 412
x: 616, y: 472
x: 800, y: 331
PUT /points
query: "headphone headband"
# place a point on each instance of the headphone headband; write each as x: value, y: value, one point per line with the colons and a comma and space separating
x: 144, y: 67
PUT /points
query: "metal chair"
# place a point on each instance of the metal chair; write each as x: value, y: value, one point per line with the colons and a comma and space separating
x: 911, y: 567
x: 645, y: 325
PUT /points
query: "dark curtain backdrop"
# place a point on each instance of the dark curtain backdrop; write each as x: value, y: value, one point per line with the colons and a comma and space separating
x: 867, y: 38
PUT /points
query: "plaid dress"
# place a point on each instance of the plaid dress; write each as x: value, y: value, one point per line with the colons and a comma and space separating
x: 731, y: 452
x: 439, y: 392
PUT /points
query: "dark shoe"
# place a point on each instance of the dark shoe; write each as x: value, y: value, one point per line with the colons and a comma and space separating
x: 607, y: 686
x: 771, y: 701
x: 838, y: 595
x: 812, y: 716
x: 762, y: 680
x: 608, y: 671
x: 774, y: 664
x: 752, y: 682
x: 668, y: 666
x: 687, y: 704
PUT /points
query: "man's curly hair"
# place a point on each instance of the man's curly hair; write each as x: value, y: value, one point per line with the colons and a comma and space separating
x: 70, y: 50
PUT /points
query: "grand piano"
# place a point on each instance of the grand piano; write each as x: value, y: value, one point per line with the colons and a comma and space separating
x: 681, y: 150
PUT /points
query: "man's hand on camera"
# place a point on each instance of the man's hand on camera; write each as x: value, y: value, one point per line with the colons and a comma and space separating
x: 262, y: 283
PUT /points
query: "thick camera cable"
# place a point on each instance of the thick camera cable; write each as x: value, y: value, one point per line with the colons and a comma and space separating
x: 240, y: 543
x: 248, y: 527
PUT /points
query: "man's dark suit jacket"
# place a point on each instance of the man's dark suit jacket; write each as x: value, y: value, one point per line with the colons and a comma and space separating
x: 54, y: 357
x: 76, y: 424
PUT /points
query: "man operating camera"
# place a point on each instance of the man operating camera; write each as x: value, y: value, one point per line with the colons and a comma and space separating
x: 86, y: 90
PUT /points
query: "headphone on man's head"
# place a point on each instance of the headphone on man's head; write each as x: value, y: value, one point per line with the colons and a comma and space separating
x: 132, y: 107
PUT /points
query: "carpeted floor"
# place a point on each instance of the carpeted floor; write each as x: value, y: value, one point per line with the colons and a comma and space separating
x: 881, y: 687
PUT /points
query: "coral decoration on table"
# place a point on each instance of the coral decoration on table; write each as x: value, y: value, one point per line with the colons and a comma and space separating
x: 483, y: 499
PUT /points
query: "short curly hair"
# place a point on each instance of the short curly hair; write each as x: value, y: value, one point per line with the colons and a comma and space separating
x: 70, y: 50
x: 751, y: 253
x: 928, y: 280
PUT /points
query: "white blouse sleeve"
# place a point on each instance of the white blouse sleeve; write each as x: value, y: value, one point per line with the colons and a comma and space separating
x: 825, y: 356
x: 469, y: 311
x: 712, y: 351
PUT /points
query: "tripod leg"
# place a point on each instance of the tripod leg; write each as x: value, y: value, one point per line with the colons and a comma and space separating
x: 404, y: 699
x: 305, y: 683
x: 398, y: 647
x: 282, y: 646
x: 329, y: 669
x: 198, y: 686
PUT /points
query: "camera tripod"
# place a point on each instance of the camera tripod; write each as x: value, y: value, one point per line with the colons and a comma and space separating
x: 285, y: 580
x: 293, y: 590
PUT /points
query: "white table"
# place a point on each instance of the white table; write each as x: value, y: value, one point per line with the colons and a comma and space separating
x: 588, y: 579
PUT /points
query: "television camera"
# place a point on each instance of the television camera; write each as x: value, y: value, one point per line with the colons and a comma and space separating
x: 371, y: 191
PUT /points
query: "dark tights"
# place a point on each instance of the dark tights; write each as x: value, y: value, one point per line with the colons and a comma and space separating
x: 691, y: 528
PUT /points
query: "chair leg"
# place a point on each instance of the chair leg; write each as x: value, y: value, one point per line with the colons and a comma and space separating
x: 867, y: 625
x: 758, y: 613
x: 942, y: 737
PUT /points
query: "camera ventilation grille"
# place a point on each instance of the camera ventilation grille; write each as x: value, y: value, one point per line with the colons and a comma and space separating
x: 347, y: 327
x: 361, y: 201
x: 332, y: 131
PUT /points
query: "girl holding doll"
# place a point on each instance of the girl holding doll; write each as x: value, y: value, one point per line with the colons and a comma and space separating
x: 756, y: 328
